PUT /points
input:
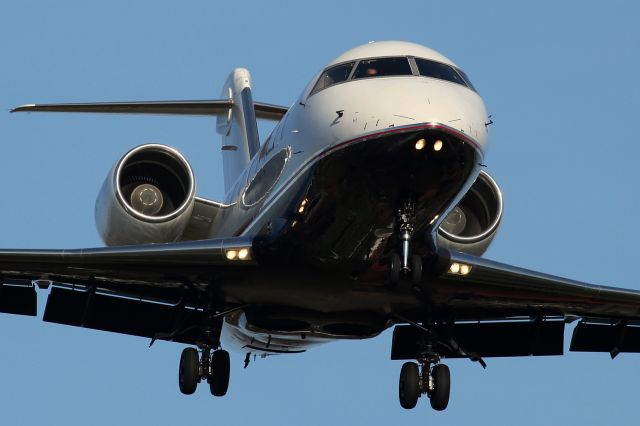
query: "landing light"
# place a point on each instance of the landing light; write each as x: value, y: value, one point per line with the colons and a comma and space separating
x: 459, y: 269
x: 238, y: 254
x: 302, y: 206
x: 437, y: 145
x: 420, y: 143
x: 243, y: 254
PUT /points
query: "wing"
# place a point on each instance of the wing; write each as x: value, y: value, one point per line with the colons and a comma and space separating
x: 497, y: 289
x: 502, y: 310
x: 193, y: 107
x: 147, y: 290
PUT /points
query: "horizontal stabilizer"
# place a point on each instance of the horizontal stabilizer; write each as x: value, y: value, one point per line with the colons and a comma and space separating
x: 194, y: 107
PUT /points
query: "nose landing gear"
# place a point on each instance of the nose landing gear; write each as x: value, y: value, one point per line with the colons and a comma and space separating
x: 405, y: 263
x: 430, y: 378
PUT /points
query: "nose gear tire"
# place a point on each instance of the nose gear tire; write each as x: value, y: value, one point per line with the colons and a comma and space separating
x: 395, y: 268
x: 416, y: 269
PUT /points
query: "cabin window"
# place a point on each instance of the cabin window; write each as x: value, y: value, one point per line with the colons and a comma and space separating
x: 382, y: 67
x: 333, y: 75
x: 441, y: 71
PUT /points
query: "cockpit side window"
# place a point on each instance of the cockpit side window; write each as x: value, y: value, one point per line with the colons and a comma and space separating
x: 466, y: 79
x: 382, y: 67
x: 333, y: 75
x: 441, y: 71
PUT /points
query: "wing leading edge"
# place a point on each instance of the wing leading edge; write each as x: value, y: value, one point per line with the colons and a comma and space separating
x: 148, y: 290
x: 481, y: 288
x: 153, y: 290
x: 496, y: 285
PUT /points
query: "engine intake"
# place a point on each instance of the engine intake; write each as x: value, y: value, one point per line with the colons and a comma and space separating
x: 147, y: 197
x: 472, y: 224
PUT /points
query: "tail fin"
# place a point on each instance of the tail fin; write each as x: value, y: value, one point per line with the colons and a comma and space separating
x: 238, y: 127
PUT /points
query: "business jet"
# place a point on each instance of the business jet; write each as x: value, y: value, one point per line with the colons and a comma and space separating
x: 368, y: 207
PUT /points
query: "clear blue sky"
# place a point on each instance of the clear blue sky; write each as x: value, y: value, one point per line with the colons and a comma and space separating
x: 560, y: 79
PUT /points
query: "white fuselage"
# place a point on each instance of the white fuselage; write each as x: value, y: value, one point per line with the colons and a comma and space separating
x: 313, y: 126
x: 322, y: 122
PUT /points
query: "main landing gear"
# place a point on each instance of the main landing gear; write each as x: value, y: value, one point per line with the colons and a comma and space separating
x: 405, y: 263
x: 211, y: 364
x: 214, y: 368
x: 428, y: 377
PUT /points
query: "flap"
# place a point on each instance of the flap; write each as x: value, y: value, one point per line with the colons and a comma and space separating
x: 84, y: 308
x: 488, y: 339
x: 613, y: 337
x: 18, y: 297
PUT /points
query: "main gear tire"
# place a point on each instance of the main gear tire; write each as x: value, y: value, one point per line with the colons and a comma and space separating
x: 189, y: 371
x: 441, y: 387
x: 409, y: 386
x: 220, y: 371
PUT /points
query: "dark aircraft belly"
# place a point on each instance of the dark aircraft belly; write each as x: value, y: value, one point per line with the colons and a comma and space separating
x: 326, y: 249
x: 344, y: 215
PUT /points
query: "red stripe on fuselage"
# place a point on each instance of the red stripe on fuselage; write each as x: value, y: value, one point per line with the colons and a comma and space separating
x: 405, y: 129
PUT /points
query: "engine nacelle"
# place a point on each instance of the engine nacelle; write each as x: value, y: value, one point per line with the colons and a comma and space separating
x: 472, y: 224
x: 147, y: 197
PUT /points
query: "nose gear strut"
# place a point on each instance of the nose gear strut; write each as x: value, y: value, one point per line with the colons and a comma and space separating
x: 406, y: 263
x: 406, y: 216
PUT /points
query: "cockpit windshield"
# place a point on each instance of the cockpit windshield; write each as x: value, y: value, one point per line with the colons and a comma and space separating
x: 466, y: 79
x: 382, y: 67
x: 389, y: 67
x: 438, y: 70
x: 442, y: 71
x: 333, y: 75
